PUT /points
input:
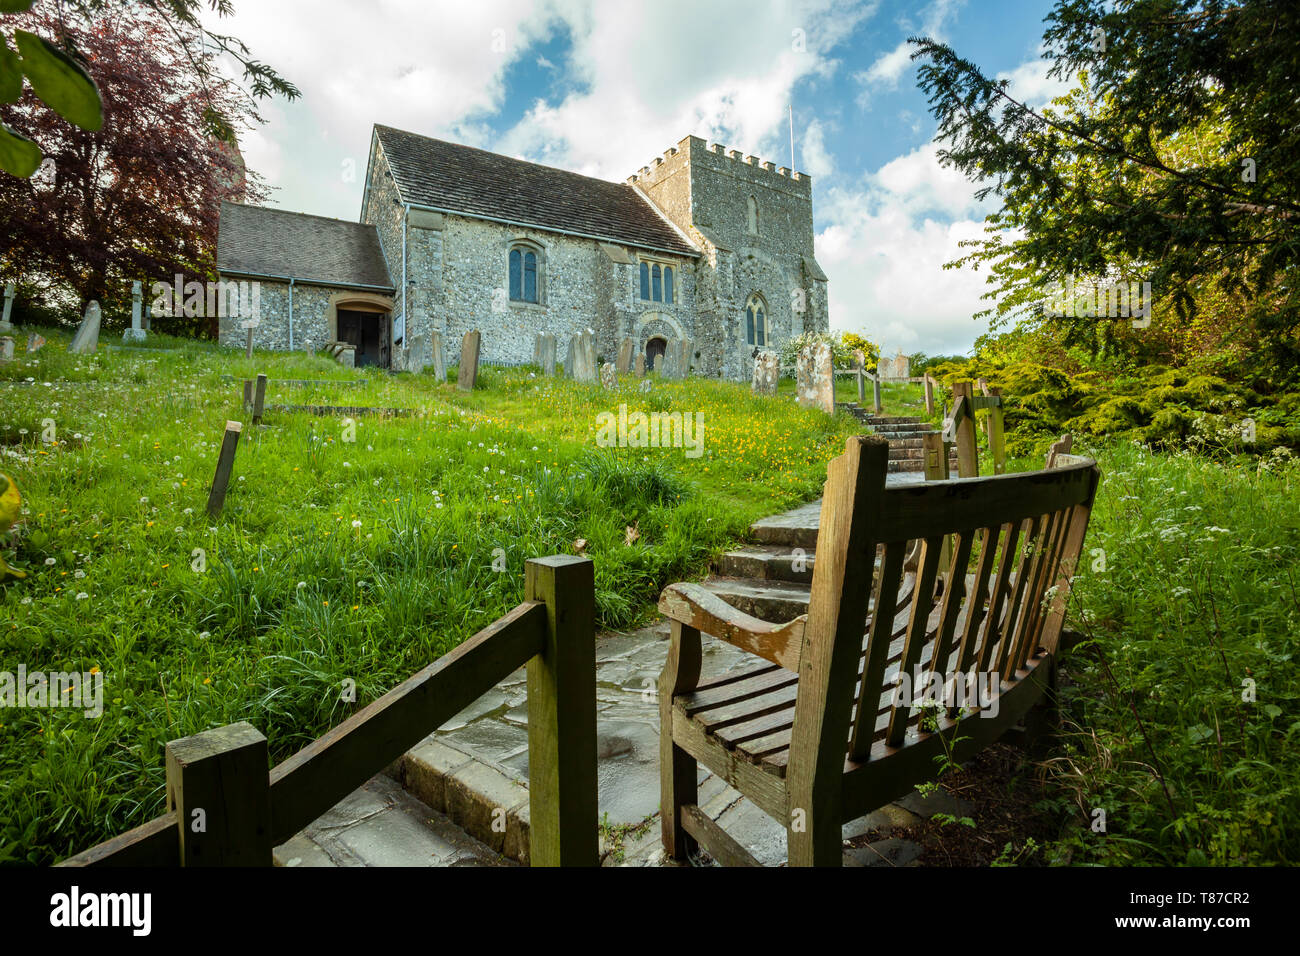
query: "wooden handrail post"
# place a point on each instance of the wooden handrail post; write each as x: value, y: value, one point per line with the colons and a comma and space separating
x: 877, y: 406
x: 935, y: 450
x: 929, y: 394
x: 219, y: 788
x: 968, y: 464
x: 563, y: 817
x: 862, y: 385
x: 997, y: 435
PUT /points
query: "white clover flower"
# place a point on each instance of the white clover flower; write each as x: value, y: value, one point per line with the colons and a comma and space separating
x: 50, y: 561
x: 356, y: 523
x: 81, y: 596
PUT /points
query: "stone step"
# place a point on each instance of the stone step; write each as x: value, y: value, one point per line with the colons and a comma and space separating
x: 894, y: 420
x: 766, y: 562
x: 381, y: 824
x: 773, y: 601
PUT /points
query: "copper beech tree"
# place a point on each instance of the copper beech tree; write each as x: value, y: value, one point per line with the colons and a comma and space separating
x: 140, y: 197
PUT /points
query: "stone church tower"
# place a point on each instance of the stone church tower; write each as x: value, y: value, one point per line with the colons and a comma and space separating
x: 757, y: 283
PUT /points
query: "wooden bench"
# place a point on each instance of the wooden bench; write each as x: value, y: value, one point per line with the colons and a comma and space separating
x: 812, y: 732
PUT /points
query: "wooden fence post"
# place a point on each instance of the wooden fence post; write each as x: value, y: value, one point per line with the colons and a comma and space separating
x: 997, y: 434
x: 935, y: 450
x: 259, y: 398
x: 877, y: 406
x: 563, y: 821
x: 225, y: 464
x: 929, y: 394
x: 248, y: 394
x: 249, y: 353
x: 862, y: 386
x: 968, y: 463
x: 218, y: 785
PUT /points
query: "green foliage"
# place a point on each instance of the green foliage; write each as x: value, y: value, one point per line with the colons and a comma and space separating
x: 1180, y: 707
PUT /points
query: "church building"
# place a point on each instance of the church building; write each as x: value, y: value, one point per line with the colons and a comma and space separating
x: 702, y: 243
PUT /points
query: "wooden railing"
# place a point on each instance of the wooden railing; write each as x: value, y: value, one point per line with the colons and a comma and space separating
x: 225, y: 809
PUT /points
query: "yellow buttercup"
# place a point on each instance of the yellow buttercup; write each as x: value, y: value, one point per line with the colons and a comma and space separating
x: 10, y: 508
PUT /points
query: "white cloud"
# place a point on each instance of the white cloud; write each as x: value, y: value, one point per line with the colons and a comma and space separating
x: 884, y: 250
x: 888, y: 68
x: 814, y: 157
x: 1031, y: 85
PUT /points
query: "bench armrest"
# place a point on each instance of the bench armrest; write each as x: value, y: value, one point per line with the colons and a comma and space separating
x: 703, y: 610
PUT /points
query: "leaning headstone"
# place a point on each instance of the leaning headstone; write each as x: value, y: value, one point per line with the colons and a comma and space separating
x: 34, y: 343
x: 469, y: 349
x: 136, y: 332
x: 5, y: 325
x: 6, y: 348
x: 767, y: 368
x: 640, y: 365
x: 817, y: 378
x: 417, y: 354
x: 668, y: 361
x: 625, y: 356
x: 608, y: 376
x: 581, y: 362
x: 687, y: 347
x: 547, y: 357
x: 438, y: 356
x: 87, y: 338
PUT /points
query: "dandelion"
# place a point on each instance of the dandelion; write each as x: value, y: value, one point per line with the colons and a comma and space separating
x: 50, y: 562
x: 82, y: 595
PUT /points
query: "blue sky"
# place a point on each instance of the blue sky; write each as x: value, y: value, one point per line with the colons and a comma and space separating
x: 603, y: 86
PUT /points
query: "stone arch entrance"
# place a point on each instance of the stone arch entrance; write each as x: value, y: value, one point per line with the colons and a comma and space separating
x: 365, y: 321
x: 654, y: 352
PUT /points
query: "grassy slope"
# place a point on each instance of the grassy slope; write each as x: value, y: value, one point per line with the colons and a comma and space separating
x: 1198, y: 594
x: 294, y: 599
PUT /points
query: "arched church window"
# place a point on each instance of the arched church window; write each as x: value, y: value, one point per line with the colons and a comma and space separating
x: 668, y: 284
x: 523, y: 275
x: 645, y: 281
x: 658, y: 283
x: 756, y: 321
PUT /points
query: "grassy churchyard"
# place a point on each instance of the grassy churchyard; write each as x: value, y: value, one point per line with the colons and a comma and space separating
x: 359, y: 550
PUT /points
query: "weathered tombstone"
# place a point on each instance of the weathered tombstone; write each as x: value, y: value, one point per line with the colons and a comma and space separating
x: 570, y: 356
x: 767, y: 368
x: 802, y: 373
x: 347, y: 356
x: 537, y: 348
x: 640, y: 365
x: 136, y: 332
x: 548, y: 354
x: 902, y: 365
x: 668, y: 361
x: 625, y: 356
x: 581, y: 364
x: 5, y: 325
x: 608, y: 376
x: 687, y: 357
x: 34, y: 342
x: 817, y: 378
x: 467, y: 375
x: 417, y: 354
x: 438, y: 356
x: 884, y: 368
x: 6, y: 348
x: 87, y: 338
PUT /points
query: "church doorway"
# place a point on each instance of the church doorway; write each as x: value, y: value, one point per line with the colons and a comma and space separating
x: 368, y: 333
x: 654, y: 351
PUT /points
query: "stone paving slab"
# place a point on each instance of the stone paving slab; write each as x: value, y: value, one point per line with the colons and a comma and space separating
x: 383, y: 825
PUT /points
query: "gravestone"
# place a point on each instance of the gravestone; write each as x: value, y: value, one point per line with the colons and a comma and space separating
x: 34, y: 343
x: 640, y: 365
x: 547, y: 357
x: 537, y: 348
x: 136, y: 332
x: 87, y: 338
x: 6, y: 348
x: 884, y: 368
x: 902, y: 366
x: 438, y: 356
x: 646, y: 386
x: 625, y: 356
x: 581, y: 364
x: 668, y: 361
x: 468, y: 372
x: 817, y: 378
x: 608, y: 376
x: 767, y: 370
x: 687, y: 358
x: 5, y: 325
x: 417, y: 354
x: 569, y: 356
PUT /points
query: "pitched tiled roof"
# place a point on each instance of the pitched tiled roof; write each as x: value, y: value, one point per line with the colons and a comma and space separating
x: 257, y: 240
x: 474, y: 182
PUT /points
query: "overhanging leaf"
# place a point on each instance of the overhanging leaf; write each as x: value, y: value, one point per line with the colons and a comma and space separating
x: 18, y: 154
x: 11, y: 73
x: 60, y: 81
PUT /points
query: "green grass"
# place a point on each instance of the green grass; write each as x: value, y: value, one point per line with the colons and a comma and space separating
x: 1199, y: 591
x: 294, y: 599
